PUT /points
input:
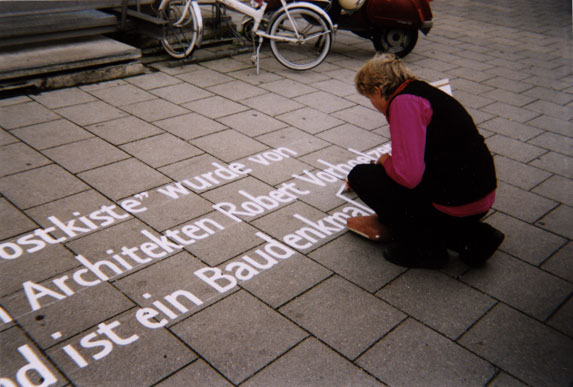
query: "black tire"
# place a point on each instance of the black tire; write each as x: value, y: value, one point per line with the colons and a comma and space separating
x: 179, y: 41
x: 315, y: 42
x: 400, y: 42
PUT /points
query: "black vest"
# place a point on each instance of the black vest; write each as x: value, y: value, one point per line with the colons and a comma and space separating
x: 459, y: 167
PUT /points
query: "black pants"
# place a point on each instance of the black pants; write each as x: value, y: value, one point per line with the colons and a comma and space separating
x: 409, y: 212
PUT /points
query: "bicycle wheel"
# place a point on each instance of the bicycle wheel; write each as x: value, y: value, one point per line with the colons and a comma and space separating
x: 313, y: 44
x: 179, y: 40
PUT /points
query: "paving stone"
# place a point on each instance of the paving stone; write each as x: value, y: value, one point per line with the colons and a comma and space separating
x: 271, y: 104
x: 551, y: 124
x: 197, y: 373
x: 519, y: 285
x: 310, y: 120
x: 15, y: 340
x: 128, y: 363
x: 561, y: 320
x: 357, y: 260
x: 549, y: 95
x: 468, y: 86
x: 311, y: 363
x: 154, y: 110
x: 14, y: 100
x: 293, y: 139
x: 505, y: 380
x: 437, y: 300
x: 277, y: 172
x: 163, y: 212
x: 24, y: 114
x: 204, y: 77
x: 516, y: 342
x: 472, y: 100
x: 509, y: 84
x: 510, y: 112
x: 284, y: 280
x: 518, y: 100
x: 551, y: 109
x: 123, y: 95
x: 153, y: 80
x: 52, y: 133
x: 556, y: 163
x: 336, y: 87
x: 190, y: 126
x: 103, y: 85
x: 470, y: 74
x: 252, y: 123
x: 236, y: 90
x: 174, y: 68
x: 518, y: 174
x: 203, y: 172
x: 362, y: 117
x: 234, y: 240
x: 160, y: 150
x: 32, y: 267
x: 412, y: 354
x: 324, y: 102
x: 250, y: 75
x: 38, y: 186
x: 226, y: 65
x: 350, y: 136
x: 554, y: 142
x: 330, y: 312
x: 294, y: 220
x: 522, y: 240
x: 7, y: 138
x: 124, y: 178
x: 13, y: 221
x: 172, y: 281
x: 323, y: 197
x: 85, y: 154
x: 90, y: 113
x: 558, y: 221
x: 74, y: 206
x: 215, y: 107
x: 181, y: 93
x: 239, y: 335
x: 561, y: 264
x: 19, y: 157
x: 557, y: 188
x: 123, y: 130
x: 84, y: 308
x: 102, y: 245
x: 65, y: 97
x: 288, y: 88
x: 521, y: 204
x: 228, y: 145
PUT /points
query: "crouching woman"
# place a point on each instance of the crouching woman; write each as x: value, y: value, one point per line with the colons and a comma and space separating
x: 431, y: 193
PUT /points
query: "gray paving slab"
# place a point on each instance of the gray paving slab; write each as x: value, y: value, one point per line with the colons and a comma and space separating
x: 329, y: 311
x: 505, y: 331
x: 183, y: 227
x: 51, y: 133
x: 239, y: 335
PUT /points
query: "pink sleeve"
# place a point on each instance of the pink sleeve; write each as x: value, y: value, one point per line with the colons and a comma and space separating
x: 409, y: 117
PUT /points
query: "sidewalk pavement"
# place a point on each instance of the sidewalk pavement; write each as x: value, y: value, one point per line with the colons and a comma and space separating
x: 183, y: 227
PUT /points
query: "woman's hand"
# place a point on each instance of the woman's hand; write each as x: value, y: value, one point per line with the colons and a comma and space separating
x: 382, y: 159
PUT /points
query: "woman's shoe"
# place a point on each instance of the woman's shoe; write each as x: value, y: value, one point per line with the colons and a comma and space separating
x: 482, y: 244
x: 369, y: 227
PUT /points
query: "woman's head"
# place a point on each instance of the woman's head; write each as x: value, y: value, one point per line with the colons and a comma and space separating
x: 384, y: 72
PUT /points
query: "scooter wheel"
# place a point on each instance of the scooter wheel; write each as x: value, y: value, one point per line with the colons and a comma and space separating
x: 400, y: 42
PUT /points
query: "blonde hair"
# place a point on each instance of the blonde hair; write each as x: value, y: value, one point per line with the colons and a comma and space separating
x: 384, y: 71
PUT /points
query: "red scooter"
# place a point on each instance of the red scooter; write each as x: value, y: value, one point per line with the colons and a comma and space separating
x: 391, y: 25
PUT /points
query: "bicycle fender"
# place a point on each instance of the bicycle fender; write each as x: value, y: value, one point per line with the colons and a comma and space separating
x: 310, y: 6
x: 200, y: 27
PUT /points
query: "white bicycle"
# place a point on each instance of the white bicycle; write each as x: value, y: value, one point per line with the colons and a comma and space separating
x: 300, y: 33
